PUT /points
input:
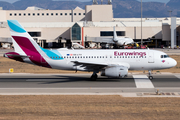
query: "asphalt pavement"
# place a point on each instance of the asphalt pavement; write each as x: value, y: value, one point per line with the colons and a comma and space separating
x: 80, y: 84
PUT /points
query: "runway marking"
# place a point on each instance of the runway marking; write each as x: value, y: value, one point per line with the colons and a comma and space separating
x: 178, y: 76
x: 142, y: 81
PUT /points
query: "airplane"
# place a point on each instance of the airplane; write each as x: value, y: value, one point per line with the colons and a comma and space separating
x: 111, y: 63
x: 77, y: 45
x: 119, y: 41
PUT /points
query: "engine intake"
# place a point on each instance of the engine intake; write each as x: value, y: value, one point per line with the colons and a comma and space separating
x: 118, y: 72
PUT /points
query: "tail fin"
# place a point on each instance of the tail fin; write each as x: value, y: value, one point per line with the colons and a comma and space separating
x: 25, y: 45
x: 115, y: 34
x: 21, y: 39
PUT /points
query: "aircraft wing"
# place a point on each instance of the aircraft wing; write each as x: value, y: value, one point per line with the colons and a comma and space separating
x: 90, y: 65
x: 97, y: 66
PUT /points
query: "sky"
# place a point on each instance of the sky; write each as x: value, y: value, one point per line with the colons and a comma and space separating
x: 163, y: 1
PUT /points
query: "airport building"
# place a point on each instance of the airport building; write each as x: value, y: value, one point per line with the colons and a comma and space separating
x: 60, y: 28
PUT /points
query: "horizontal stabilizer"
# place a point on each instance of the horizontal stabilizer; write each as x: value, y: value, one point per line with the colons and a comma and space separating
x: 18, y: 56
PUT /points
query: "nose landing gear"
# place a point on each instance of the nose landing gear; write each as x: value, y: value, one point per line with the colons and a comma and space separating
x: 150, y: 76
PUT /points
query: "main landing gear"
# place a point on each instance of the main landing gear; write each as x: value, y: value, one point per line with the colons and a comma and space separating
x: 150, y: 76
x: 94, y: 76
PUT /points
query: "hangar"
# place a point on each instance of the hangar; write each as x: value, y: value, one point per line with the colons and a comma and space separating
x: 59, y: 28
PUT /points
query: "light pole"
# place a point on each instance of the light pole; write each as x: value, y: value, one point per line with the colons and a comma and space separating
x: 141, y: 24
x: 170, y: 11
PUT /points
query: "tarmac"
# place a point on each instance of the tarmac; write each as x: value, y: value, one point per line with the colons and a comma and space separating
x: 135, y: 85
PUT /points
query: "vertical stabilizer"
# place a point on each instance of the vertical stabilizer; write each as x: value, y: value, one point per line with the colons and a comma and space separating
x: 22, y: 41
x: 24, y: 44
x: 115, y: 34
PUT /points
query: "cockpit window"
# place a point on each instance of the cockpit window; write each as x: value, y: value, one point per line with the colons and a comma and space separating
x: 164, y: 56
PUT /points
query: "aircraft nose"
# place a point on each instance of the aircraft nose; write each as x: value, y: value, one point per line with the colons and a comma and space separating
x: 173, y: 62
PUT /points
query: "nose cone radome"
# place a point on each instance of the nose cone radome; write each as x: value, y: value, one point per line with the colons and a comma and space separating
x: 173, y: 62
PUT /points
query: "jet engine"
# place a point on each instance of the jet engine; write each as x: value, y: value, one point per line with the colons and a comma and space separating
x: 118, y: 72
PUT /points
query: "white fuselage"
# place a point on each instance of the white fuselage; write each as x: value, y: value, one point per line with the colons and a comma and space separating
x: 121, y: 41
x: 134, y: 59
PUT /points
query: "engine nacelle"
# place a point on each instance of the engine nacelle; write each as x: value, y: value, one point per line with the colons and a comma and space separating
x: 118, y: 72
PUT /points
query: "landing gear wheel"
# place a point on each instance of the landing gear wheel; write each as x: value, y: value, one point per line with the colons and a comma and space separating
x: 94, y: 77
x: 150, y: 77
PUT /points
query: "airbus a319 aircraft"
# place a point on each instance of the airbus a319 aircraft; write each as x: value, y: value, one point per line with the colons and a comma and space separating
x: 119, y: 41
x: 111, y: 63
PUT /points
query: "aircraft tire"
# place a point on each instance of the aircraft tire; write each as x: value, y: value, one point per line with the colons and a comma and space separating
x: 94, y: 77
x: 150, y: 77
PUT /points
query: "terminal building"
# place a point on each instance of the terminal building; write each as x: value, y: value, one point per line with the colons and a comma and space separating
x: 60, y: 28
